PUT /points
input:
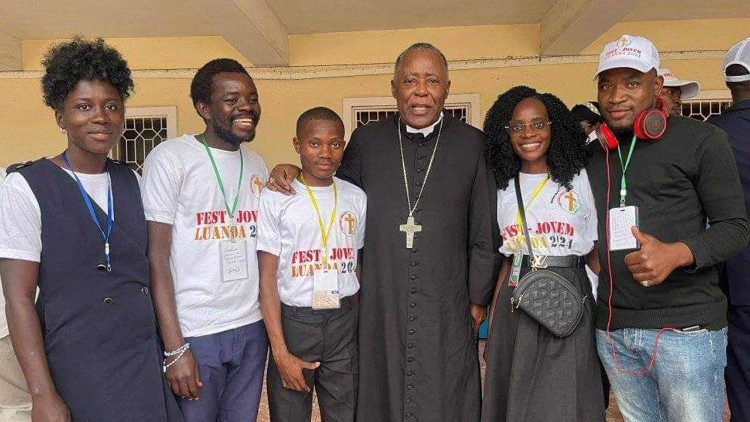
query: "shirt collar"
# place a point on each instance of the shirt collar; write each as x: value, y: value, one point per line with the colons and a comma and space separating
x: 424, y: 131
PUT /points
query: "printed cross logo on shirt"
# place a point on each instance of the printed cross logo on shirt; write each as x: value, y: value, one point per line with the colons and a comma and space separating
x: 347, y: 223
x: 569, y: 201
x: 256, y: 185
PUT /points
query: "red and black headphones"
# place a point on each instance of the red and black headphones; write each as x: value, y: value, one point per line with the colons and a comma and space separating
x: 650, y: 124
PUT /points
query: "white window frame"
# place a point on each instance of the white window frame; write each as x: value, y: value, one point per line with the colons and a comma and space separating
x: 352, y: 105
x: 712, y: 95
x: 170, y: 112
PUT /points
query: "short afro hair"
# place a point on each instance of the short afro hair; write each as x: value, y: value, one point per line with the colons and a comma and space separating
x: 200, y: 88
x: 70, y: 62
x: 567, y: 153
x: 318, y: 113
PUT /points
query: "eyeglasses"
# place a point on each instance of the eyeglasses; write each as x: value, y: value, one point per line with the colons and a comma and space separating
x: 517, y: 128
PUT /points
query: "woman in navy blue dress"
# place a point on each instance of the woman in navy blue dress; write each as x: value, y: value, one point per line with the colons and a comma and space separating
x: 73, y: 227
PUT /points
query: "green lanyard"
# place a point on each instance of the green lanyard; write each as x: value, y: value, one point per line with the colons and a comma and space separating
x: 230, y: 211
x: 625, y: 165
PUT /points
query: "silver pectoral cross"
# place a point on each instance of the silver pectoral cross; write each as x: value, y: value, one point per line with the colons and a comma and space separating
x: 410, y: 228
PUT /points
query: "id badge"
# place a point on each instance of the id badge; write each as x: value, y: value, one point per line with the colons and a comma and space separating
x: 326, y: 289
x: 233, y: 255
x: 515, y: 269
x: 621, y: 220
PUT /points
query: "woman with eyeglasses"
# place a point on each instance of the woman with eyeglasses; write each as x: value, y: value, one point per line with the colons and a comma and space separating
x: 533, y: 375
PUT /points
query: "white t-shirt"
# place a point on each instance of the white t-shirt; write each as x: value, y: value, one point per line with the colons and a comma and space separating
x: 180, y: 189
x: 3, y: 321
x: 560, y: 222
x: 289, y: 229
x: 21, y: 217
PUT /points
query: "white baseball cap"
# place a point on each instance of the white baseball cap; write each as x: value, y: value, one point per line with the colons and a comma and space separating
x: 629, y: 51
x: 738, y: 54
x: 689, y: 89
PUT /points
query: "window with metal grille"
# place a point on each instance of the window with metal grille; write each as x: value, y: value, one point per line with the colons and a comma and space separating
x: 706, y: 104
x: 145, y: 128
x: 364, y: 117
x: 360, y: 111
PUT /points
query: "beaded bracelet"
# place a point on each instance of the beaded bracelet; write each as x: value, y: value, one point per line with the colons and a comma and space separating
x: 178, y: 350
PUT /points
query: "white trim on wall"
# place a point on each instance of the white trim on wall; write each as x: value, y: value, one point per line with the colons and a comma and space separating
x: 339, y: 71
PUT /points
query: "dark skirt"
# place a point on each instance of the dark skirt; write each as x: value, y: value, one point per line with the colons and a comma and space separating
x: 533, y: 375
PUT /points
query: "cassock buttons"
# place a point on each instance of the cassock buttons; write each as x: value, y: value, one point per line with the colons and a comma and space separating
x: 109, y: 301
x: 412, y: 277
x: 410, y: 359
x: 410, y: 345
x: 408, y: 414
x: 414, y: 291
x: 414, y: 263
x: 409, y: 387
x: 411, y: 332
x: 412, y: 318
x: 144, y: 290
x: 413, y: 305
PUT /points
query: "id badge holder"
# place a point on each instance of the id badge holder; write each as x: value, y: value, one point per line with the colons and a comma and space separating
x: 515, y: 269
x: 326, y: 289
x: 621, y: 221
x: 233, y: 259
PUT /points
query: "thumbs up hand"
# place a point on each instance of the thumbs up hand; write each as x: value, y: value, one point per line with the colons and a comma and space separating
x: 655, y: 260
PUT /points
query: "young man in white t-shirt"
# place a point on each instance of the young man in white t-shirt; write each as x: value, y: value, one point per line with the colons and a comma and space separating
x: 200, y: 196
x: 307, y: 253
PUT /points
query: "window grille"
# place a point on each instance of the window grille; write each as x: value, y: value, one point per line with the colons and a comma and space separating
x: 360, y: 111
x: 706, y: 104
x: 145, y: 128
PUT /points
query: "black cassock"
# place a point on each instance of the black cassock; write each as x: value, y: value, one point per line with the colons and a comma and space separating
x: 418, y: 353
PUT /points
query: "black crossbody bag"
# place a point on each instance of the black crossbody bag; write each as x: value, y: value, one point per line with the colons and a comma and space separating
x: 549, y: 298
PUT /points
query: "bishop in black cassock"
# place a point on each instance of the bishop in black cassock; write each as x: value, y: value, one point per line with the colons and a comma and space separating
x: 418, y: 352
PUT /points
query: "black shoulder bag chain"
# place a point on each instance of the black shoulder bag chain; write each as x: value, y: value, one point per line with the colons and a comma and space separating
x: 546, y: 296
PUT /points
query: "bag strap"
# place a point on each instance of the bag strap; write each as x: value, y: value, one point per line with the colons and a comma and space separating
x: 522, y: 211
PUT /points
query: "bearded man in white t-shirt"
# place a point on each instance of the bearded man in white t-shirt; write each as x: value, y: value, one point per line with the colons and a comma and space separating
x: 200, y: 196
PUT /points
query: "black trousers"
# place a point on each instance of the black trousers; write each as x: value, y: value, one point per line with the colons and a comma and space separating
x: 325, y: 336
x: 738, y: 363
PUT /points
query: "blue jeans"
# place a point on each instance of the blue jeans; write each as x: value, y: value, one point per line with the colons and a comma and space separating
x: 686, y: 382
x: 230, y: 364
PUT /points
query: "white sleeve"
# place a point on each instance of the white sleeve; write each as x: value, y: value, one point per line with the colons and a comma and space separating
x: 160, y: 188
x: 20, y: 220
x: 139, y: 179
x: 590, y: 219
x: 269, y: 234
x: 360, y: 231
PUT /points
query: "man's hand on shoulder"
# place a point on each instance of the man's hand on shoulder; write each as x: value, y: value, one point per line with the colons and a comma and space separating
x: 281, y: 178
x: 655, y: 260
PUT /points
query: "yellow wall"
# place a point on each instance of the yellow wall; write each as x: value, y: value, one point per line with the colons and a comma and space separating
x: 149, y: 53
x: 28, y: 129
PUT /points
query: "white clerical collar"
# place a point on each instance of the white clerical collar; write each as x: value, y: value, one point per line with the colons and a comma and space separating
x: 427, y: 130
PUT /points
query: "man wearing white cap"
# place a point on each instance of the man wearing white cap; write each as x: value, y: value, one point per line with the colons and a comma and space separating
x: 676, y: 90
x: 661, y: 332
x: 736, y: 122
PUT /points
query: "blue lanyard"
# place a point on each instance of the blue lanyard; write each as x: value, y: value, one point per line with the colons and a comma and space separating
x: 92, y: 213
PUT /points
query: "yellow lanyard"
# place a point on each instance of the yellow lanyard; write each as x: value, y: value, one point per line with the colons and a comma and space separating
x: 534, y: 194
x: 323, y: 232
